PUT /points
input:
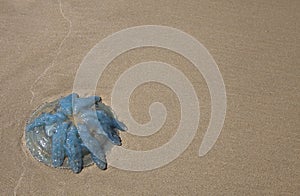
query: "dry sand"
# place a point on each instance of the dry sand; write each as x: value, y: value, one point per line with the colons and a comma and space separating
x: 256, y: 45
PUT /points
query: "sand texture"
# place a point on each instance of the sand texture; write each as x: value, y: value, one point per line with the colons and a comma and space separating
x: 256, y: 46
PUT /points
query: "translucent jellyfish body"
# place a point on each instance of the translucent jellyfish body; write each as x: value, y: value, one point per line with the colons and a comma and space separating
x: 73, y: 132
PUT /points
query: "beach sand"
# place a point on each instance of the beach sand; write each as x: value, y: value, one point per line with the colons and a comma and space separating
x: 256, y: 46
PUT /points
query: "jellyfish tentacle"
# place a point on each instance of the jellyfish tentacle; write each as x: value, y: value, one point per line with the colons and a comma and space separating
x: 58, y: 141
x: 74, y: 150
x: 65, y: 104
x: 113, y: 122
x: 50, y: 129
x: 85, y: 103
x: 46, y: 119
x: 101, y: 164
x: 90, y: 142
x: 119, y: 125
x: 89, y: 118
x: 111, y: 134
x: 101, y: 127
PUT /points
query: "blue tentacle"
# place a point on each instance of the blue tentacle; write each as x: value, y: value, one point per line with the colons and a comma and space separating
x: 101, y: 164
x: 113, y: 122
x: 74, y: 150
x: 58, y: 141
x: 101, y: 125
x: 90, y: 142
x: 46, y: 119
x: 85, y: 103
x: 66, y: 105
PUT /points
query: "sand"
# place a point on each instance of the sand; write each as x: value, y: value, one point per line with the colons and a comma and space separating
x: 256, y: 46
